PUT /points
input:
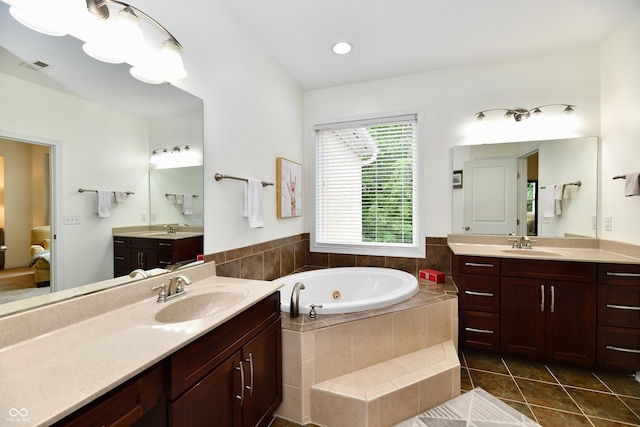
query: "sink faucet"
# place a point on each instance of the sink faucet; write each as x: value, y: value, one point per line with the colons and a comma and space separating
x: 138, y: 271
x: 171, y: 228
x: 294, y: 304
x: 522, y: 242
x: 166, y: 292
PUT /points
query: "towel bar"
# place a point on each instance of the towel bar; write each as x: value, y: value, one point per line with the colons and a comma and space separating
x: 219, y: 176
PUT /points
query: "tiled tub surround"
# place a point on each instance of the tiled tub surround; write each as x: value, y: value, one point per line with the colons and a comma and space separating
x: 276, y: 258
x: 57, y: 358
x: 318, y: 350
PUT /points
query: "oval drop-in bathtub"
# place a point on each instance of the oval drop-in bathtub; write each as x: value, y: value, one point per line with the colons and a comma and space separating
x: 348, y: 289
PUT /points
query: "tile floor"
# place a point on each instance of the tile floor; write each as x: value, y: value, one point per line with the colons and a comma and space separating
x: 549, y: 394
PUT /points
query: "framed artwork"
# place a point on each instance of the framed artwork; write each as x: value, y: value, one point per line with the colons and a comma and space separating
x: 289, y: 188
x: 457, y: 179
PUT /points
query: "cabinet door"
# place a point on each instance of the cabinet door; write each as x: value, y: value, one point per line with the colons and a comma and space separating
x: 215, y: 401
x: 263, y: 382
x: 571, y: 322
x: 522, y: 316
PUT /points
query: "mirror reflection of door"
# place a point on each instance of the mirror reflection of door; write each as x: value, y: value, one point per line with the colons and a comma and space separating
x: 531, y: 195
x: 25, y: 186
x: 490, y: 194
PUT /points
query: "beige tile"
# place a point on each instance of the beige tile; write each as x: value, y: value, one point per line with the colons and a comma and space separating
x: 307, y: 343
x: 438, y: 323
x: 348, y: 391
x: 291, y: 406
x: 435, y: 390
x: 409, y: 331
x: 372, y: 341
x: 377, y: 374
x: 418, y: 359
x: 291, y: 359
x: 399, y: 406
x: 413, y: 377
x: 333, y: 353
x: 334, y: 411
x: 380, y: 390
x: 373, y: 414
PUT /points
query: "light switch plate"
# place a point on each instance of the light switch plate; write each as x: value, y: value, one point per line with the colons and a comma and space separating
x: 594, y: 222
x: 608, y: 223
x: 71, y: 219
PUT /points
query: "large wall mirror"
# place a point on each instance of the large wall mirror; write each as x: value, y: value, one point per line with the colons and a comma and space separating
x: 536, y: 188
x: 80, y: 123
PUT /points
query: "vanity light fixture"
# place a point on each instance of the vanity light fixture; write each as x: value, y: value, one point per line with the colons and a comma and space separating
x: 109, y: 37
x: 178, y: 156
x: 341, y: 48
x: 520, y: 114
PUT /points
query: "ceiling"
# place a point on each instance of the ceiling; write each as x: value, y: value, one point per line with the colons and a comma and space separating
x: 399, y: 37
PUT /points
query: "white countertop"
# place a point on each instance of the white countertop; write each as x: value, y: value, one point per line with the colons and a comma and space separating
x: 49, y: 376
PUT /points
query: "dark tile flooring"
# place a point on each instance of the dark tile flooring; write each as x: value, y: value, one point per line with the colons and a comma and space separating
x: 549, y: 394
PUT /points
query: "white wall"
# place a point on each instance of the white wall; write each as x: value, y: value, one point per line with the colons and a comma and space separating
x: 96, y: 154
x: 620, y: 129
x: 449, y: 98
x: 252, y: 114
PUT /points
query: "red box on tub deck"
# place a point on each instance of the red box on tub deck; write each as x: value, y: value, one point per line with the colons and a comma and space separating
x: 432, y: 275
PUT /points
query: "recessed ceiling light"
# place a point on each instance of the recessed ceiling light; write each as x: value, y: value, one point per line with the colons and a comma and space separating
x: 341, y: 48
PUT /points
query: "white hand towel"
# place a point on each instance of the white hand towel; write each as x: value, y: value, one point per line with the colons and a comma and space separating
x: 179, y: 199
x: 632, y: 184
x: 549, y: 202
x: 565, y: 191
x: 187, y: 204
x: 103, y: 203
x: 557, y: 196
x: 120, y: 196
x: 253, y: 202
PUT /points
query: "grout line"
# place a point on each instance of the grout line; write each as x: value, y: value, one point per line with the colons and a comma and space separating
x: 568, y: 394
x: 526, y: 402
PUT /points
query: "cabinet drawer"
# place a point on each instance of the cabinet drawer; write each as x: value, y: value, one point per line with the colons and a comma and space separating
x: 193, y: 362
x: 618, y: 348
x: 555, y: 270
x: 479, y: 330
x: 619, y: 274
x: 478, y: 265
x: 143, y: 243
x: 619, y: 305
x: 479, y: 293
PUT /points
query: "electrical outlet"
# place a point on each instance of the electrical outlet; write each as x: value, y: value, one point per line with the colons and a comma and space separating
x: 143, y: 216
x: 608, y: 223
x: 71, y: 219
x: 594, y: 222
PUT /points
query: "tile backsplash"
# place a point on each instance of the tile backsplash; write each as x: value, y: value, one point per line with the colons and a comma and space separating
x: 277, y: 258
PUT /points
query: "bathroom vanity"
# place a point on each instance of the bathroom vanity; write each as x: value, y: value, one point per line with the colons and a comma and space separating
x: 153, y: 249
x: 122, y: 365
x: 577, y: 305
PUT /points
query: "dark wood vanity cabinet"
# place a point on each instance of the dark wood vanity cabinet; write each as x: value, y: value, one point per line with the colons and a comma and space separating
x: 533, y: 308
x: 130, y: 253
x: 619, y: 316
x: 230, y: 377
x: 548, y: 310
x: 478, y: 282
x: 139, y: 402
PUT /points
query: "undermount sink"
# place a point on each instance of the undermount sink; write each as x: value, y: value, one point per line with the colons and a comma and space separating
x: 189, y: 307
x: 532, y: 252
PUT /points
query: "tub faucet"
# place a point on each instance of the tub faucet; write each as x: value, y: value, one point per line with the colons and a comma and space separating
x: 294, y: 304
x: 139, y: 271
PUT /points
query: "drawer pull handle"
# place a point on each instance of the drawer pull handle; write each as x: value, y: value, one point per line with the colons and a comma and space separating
x: 479, y: 294
x: 164, y: 244
x: 240, y: 396
x: 613, y: 273
x: 624, y: 350
x: 623, y: 307
x: 119, y: 258
x: 541, y: 297
x: 478, y: 264
x: 119, y: 242
x: 480, y: 331
x: 553, y: 299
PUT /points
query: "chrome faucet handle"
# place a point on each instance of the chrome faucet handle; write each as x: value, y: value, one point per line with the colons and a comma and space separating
x: 180, y: 280
x: 516, y: 242
x: 162, y: 295
x: 312, y: 313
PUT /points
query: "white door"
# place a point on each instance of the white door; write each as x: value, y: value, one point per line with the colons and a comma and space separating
x: 490, y: 196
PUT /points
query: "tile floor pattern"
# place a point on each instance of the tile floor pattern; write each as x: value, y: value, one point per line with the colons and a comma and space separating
x: 551, y: 395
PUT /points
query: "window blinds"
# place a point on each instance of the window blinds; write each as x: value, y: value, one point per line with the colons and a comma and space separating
x: 366, y: 183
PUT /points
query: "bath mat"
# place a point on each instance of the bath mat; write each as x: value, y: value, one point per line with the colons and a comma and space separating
x: 475, y: 408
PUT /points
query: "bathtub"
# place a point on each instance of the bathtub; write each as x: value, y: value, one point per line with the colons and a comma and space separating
x: 348, y: 289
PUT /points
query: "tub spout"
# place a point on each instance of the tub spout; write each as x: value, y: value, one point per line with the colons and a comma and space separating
x: 294, y: 305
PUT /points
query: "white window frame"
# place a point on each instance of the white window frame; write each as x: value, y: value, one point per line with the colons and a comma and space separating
x: 417, y: 249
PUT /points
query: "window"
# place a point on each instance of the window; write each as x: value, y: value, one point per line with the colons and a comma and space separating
x: 366, y: 188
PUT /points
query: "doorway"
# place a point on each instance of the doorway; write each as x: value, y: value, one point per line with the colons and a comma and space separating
x: 26, y: 211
